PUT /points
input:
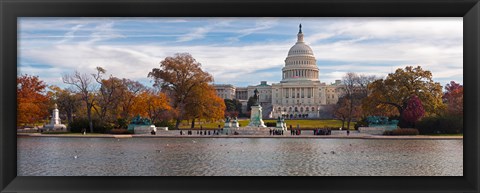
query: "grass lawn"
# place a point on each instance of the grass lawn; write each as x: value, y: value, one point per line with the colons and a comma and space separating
x: 303, y: 123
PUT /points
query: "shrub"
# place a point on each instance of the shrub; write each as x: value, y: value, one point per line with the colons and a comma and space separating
x: 446, y: 124
x: 78, y: 124
x: 361, y: 123
x: 165, y: 123
x: 402, y: 132
x: 270, y: 124
x: 119, y: 131
x: 122, y: 123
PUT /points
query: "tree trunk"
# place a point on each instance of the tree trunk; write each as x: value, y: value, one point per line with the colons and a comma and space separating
x: 343, y: 123
x: 193, y: 123
x: 69, y: 117
x: 89, y: 116
x: 177, y: 123
x: 348, y: 122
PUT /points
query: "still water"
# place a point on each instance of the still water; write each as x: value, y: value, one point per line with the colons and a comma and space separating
x: 39, y: 156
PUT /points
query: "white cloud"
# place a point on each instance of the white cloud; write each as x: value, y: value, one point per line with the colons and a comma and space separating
x: 368, y: 46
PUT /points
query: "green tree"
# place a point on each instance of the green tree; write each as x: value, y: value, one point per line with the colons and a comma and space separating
x: 233, y: 105
x: 250, y: 103
x: 396, y: 89
x: 179, y: 76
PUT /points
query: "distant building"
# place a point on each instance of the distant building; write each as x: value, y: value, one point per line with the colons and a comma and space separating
x: 300, y: 94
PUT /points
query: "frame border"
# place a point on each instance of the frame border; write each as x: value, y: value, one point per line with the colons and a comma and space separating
x: 10, y: 10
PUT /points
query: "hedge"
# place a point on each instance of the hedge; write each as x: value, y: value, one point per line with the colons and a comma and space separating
x: 446, y: 124
x: 402, y: 132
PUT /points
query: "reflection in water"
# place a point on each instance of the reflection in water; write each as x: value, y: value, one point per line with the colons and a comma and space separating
x: 237, y: 156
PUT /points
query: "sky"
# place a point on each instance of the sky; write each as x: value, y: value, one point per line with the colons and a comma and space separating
x: 238, y: 51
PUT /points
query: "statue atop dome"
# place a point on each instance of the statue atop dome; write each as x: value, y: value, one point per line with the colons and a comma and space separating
x: 300, y: 34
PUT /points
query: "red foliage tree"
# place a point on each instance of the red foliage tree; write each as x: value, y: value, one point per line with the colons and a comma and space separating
x: 413, y: 112
x: 453, y: 97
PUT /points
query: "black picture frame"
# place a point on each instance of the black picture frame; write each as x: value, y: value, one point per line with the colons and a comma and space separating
x: 10, y: 10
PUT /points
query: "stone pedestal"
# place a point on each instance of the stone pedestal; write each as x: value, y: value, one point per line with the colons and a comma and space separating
x: 235, y: 124
x: 281, y: 126
x: 227, y: 125
x: 256, y: 117
x: 55, y: 124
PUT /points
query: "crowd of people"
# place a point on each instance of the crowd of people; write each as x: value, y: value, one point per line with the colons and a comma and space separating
x: 276, y: 132
x: 322, y: 132
x: 295, y: 132
x: 201, y: 132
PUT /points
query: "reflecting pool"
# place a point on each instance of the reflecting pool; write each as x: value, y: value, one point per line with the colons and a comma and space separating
x: 45, y: 156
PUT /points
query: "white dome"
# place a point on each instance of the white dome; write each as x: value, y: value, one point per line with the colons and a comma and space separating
x: 300, y: 48
x: 300, y: 64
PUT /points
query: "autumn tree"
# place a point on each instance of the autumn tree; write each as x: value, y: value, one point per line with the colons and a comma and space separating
x: 67, y: 101
x: 453, y: 98
x: 109, y: 95
x: 85, y: 87
x: 355, y: 89
x: 129, y: 96
x: 204, y: 104
x: 395, y: 90
x: 151, y: 104
x: 412, y: 113
x: 178, y: 76
x: 341, y: 110
x: 31, y: 100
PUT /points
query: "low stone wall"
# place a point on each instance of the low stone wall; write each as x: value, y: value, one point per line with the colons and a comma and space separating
x: 372, y: 130
x: 144, y: 129
x: 250, y: 130
x: 162, y: 129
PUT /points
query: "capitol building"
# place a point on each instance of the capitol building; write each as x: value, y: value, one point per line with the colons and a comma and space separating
x: 300, y: 93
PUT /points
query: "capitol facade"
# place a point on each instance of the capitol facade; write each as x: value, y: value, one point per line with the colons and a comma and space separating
x: 300, y: 93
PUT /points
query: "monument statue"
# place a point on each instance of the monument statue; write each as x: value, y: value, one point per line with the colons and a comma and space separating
x: 227, y: 123
x: 55, y: 123
x: 281, y: 124
x: 139, y: 125
x: 235, y: 123
x: 256, y: 112
x: 255, y: 98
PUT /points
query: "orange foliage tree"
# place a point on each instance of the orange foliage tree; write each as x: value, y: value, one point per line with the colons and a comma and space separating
x: 178, y: 76
x: 151, y: 104
x: 31, y: 100
x: 205, y: 104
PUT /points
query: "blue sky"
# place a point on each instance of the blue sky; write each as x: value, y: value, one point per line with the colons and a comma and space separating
x: 239, y: 51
